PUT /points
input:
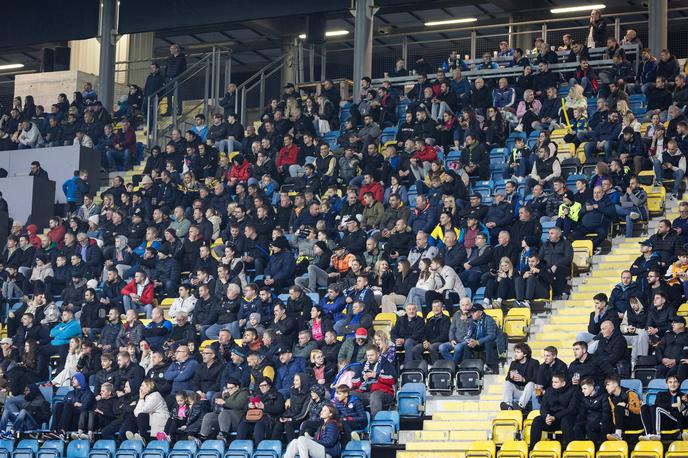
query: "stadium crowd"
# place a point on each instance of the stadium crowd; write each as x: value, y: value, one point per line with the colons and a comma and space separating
x: 293, y: 244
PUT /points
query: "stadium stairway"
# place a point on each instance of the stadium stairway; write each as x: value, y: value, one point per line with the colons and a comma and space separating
x: 458, y: 421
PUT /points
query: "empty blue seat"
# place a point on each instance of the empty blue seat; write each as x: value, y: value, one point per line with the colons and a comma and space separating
x: 78, y: 449
x: 211, y: 449
x: 388, y: 133
x: 383, y: 429
x: 6, y: 448
x: 268, y: 449
x: 684, y: 386
x: 156, y: 449
x: 27, y: 448
x: 104, y: 448
x: 633, y: 384
x: 130, y: 449
x: 411, y: 400
x: 315, y: 297
x: 61, y: 393
x: 240, y: 449
x: 51, y: 449
x: 479, y: 294
x: 356, y: 449
x: 183, y: 449
x: 654, y: 387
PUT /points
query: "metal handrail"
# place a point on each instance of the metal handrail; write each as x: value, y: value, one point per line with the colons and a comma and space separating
x: 182, y: 75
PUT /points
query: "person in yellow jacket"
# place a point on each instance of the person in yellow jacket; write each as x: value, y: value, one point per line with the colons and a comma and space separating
x: 679, y: 271
x: 569, y: 213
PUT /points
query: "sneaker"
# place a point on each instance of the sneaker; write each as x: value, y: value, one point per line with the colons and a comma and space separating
x: 684, y: 436
x: 355, y: 436
x: 130, y: 435
x: 634, y: 215
x: 497, y: 303
x: 505, y: 406
x: 650, y: 437
x: 614, y: 437
x: 74, y: 436
x: 486, y: 303
x: 84, y: 436
x: 138, y: 437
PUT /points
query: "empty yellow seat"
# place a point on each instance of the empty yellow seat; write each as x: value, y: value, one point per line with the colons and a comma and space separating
x: 517, y: 323
x: 546, y: 449
x: 677, y: 449
x: 167, y: 302
x: 482, y: 449
x: 580, y: 449
x: 506, y: 425
x: 205, y: 343
x: 384, y: 321
x: 497, y: 315
x: 613, y: 449
x: 682, y: 310
x: 648, y: 449
x: 513, y: 449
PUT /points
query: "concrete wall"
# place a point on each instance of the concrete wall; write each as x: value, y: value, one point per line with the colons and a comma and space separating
x: 29, y: 200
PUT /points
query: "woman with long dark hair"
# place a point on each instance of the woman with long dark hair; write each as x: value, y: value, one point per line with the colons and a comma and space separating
x: 326, y: 441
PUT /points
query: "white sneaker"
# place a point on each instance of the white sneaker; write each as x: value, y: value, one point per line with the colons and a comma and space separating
x: 497, y: 303
x: 130, y: 435
x: 486, y: 303
x: 355, y: 436
x: 634, y: 215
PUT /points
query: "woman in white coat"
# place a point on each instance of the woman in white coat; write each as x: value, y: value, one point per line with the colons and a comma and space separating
x: 151, y: 412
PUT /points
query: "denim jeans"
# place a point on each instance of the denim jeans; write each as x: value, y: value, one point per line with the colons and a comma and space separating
x: 626, y: 214
x: 446, y: 348
x: 129, y: 304
x: 115, y: 157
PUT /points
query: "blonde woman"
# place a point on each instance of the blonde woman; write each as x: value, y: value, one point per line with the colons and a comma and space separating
x: 500, y: 287
x: 73, y: 355
x: 576, y: 99
x: 384, y: 344
x: 383, y: 281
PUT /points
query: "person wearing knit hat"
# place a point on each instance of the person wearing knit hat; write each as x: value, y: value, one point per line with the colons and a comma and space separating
x: 569, y: 213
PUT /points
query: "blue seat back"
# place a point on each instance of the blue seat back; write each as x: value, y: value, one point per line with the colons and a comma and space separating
x: 635, y: 385
x: 684, y: 386
x: 78, y: 449
x: 411, y: 399
x: 384, y: 427
x: 240, y: 449
x: 654, y: 387
x: 103, y: 448
x: 184, y: 449
x: 61, y: 393
x: 268, y: 448
x: 211, y: 449
x: 130, y: 449
x: 357, y: 449
x: 51, y: 449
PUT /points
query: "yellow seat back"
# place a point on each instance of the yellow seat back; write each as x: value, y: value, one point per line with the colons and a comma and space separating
x: 580, y: 449
x: 482, y: 449
x: 546, y: 449
x: 497, y: 315
x: 513, y: 449
x: 648, y: 449
x: 677, y: 449
x: 506, y: 426
x: 613, y: 449
x: 517, y: 322
x: 528, y: 423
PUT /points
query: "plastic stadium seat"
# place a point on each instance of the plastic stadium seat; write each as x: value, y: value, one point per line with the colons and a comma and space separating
x: 482, y: 449
x: 103, y: 448
x: 240, y: 449
x: 517, y: 323
x: 513, y: 449
x: 384, y: 428
x: 61, y: 393
x: 441, y: 377
x: 27, y: 448
x: 78, y: 449
x: 613, y: 449
x: 156, y: 449
x: 357, y: 449
x: 51, y: 449
x: 129, y: 449
x: 6, y: 448
x: 648, y: 449
x: 497, y: 315
x: 684, y: 386
x: 211, y: 449
x: 682, y: 310
x: 546, y: 449
x: 582, y: 255
x: 183, y: 449
x: 268, y: 449
x: 528, y: 423
x: 580, y: 449
x: 506, y: 426
x: 411, y: 400
x: 384, y: 321
x: 414, y: 372
x: 654, y: 387
x: 479, y: 294
x: 635, y: 385
x: 677, y: 449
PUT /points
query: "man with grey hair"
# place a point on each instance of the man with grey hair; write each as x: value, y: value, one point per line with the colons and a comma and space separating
x: 422, y: 250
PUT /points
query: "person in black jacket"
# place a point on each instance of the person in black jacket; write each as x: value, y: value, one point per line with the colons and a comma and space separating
x: 620, y: 296
x: 594, y: 420
x: 602, y: 312
x: 93, y: 315
x: 436, y: 333
x: 612, y: 347
x: 154, y: 81
x: 176, y: 65
x: 409, y: 331
x: 659, y: 317
x: 670, y: 350
x: 550, y: 365
x: 587, y: 365
x: 520, y: 379
x: 557, y: 411
x: 534, y: 282
x: 206, y: 380
x: 667, y: 413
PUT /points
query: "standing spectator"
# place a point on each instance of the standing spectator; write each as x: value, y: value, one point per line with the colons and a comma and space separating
x: 176, y: 65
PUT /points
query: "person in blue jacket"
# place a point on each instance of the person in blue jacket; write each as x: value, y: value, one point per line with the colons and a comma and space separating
x: 59, y: 343
x: 351, y: 412
x: 333, y: 303
x: 72, y: 413
x: 326, y: 440
x: 279, y: 272
x: 288, y: 368
x: 182, y: 370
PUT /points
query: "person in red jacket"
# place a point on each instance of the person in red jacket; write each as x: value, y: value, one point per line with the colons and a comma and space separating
x: 287, y: 155
x: 422, y: 158
x: 123, y: 148
x: 373, y: 187
x: 375, y: 385
x: 138, y: 294
x: 57, y: 232
x: 240, y: 172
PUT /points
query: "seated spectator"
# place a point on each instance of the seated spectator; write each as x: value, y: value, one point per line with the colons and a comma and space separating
x: 375, y: 386
x: 625, y: 408
x: 501, y: 286
x: 593, y: 421
x: 264, y: 409
x: 71, y: 414
x: 670, y: 350
x: 325, y: 442
x: 137, y: 295
x: 665, y: 414
x: 557, y: 411
x: 670, y: 164
x: 409, y: 331
x: 534, y: 282
x: 520, y: 379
